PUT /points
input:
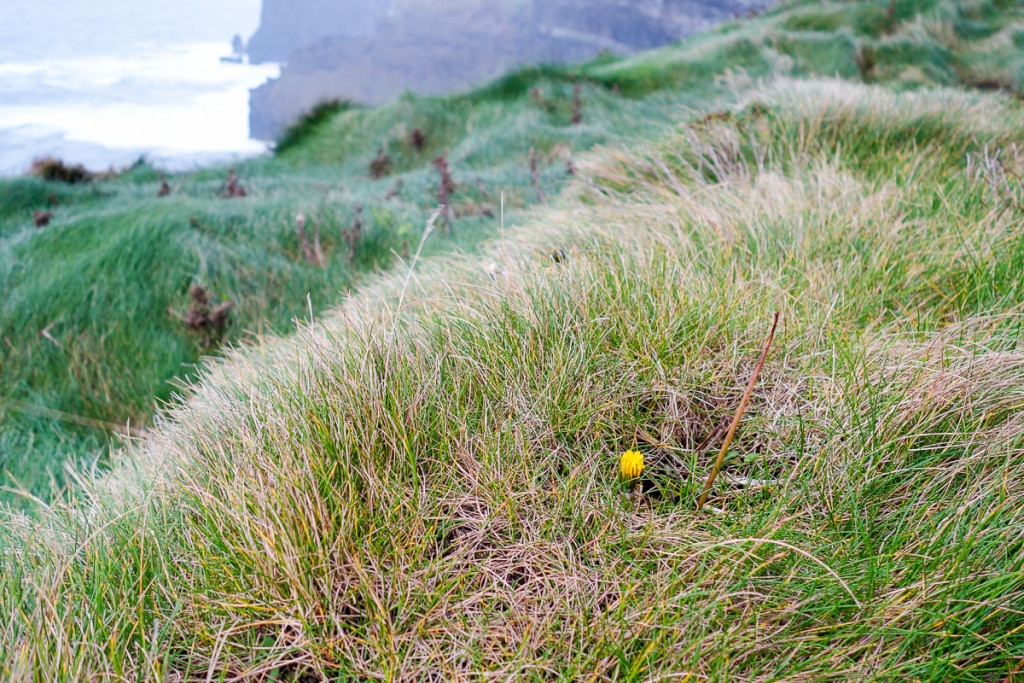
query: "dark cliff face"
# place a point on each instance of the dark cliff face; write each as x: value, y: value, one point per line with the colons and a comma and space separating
x: 427, y: 47
x: 576, y: 29
x: 436, y: 46
x: 287, y: 25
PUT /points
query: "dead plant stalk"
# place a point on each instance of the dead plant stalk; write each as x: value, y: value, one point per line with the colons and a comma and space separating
x: 445, y: 188
x: 739, y: 415
x: 535, y: 172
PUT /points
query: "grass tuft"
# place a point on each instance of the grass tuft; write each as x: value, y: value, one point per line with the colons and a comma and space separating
x: 308, y: 125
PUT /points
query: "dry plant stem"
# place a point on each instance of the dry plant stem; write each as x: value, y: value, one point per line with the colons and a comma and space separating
x: 487, y: 195
x: 536, y: 176
x: 307, y: 249
x: 355, y: 232
x: 577, y: 104
x: 445, y: 188
x: 739, y: 415
x: 318, y: 251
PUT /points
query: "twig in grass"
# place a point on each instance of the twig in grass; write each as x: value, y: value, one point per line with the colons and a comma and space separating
x: 487, y: 195
x: 353, y: 234
x: 318, y: 251
x: 577, y: 104
x: 396, y: 190
x: 486, y: 210
x: 307, y: 249
x: 445, y: 188
x: 165, y: 187
x: 46, y: 333
x: 423, y: 240
x: 736, y: 420
x: 536, y: 176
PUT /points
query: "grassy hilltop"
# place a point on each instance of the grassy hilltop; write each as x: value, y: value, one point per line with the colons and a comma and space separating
x: 421, y: 485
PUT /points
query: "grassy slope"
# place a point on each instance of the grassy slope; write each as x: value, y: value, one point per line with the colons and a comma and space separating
x: 100, y: 280
x: 422, y: 484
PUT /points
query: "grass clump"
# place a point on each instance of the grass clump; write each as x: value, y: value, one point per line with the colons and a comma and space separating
x: 310, y: 123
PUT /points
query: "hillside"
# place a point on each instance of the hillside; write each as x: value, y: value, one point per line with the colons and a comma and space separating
x: 442, y: 46
x: 112, y: 352
x: 286, y: 26
x: 422, y: 483
x: 562, y: 30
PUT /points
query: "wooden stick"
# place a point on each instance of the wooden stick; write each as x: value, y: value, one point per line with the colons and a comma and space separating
x: 736, y: 420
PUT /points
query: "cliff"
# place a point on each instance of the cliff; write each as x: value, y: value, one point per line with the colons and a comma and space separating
x: 287, y: 25
x: 436, y: 46
x: 575, y: 30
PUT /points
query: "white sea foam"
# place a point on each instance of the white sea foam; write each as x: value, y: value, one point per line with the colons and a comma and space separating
x: 175, y: 103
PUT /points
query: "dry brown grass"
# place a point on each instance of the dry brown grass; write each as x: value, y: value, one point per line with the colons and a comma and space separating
x: 49, y: 168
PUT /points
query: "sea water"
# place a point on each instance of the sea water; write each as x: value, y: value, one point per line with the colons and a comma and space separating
x: 105, y: 82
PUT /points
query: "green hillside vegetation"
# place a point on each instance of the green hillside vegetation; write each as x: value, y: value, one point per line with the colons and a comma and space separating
x: 89, y: 344
x: 422, y: 483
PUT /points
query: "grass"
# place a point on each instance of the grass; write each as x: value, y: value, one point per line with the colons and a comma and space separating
x: 309, y: 124
x: 422, y: 484
x: 112, y: 354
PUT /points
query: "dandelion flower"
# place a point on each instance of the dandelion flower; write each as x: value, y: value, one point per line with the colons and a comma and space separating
x: 631, y: 466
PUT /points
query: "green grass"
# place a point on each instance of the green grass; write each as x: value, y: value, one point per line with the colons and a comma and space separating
x: 100, y: 280
x: 422, y: 483
x: 310, y: 123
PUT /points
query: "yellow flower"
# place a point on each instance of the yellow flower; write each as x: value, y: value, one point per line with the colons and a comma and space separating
x: 631, y: 466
